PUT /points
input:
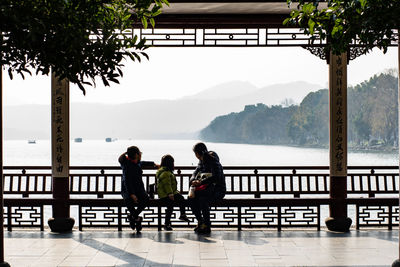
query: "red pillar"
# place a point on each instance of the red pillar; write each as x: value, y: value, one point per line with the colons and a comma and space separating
x: 396, y: 263
x: 398, y: 101
x: 2, y: 262
x: 61, y: 221
x: 338, y: 220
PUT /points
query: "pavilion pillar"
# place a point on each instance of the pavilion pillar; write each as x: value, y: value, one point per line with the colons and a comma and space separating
x: 396, y: 263
x: 338, y: 220
x: 61, y: 221
x: 2, y: 262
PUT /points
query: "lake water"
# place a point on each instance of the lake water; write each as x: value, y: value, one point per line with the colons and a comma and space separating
x: 101, y: 153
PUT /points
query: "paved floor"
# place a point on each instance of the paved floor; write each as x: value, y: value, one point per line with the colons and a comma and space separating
x: 184, y: 248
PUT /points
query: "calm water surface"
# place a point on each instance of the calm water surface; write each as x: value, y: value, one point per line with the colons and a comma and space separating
x: 101, y: 153
x: 98, y: 152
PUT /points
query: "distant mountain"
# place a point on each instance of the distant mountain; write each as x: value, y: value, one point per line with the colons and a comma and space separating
x: 277, y: 93
x: 256, y: 124
x: 226, y: 90
x: 372, y: 119
x: 250, y: 94
x: 180, y: 118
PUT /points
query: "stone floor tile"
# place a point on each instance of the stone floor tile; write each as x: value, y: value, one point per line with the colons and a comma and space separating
x: 191, y: 254
x: 156, y: 264
x: 242, y: 263
x: 264, y: 251
x: 54, y: 251
x: 75, y: 261
x: 153, y: 258
x: 138, y: 246
x: 214, y: 262
x: 238, y: 253
x: 21, y: 261
x: 80, y: 252
x: 212, y: 248
x: 185, y: 248
x: 132, y: 259
x: 212, y: 255
x: 104, y: 258
x: 48, y: 261
x: 31, y: 252
x: 186, y: 261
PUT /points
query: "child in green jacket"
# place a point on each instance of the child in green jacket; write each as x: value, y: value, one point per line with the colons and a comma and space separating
x: 167, y: 190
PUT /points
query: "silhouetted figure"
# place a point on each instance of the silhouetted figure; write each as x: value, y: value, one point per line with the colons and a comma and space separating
x: 167, y: 190
x: 209, y: 182
x: 132, y: 187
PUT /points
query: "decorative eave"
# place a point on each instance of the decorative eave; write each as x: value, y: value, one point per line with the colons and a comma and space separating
x: 232, y: 23
x: 221, y: 21
x: 223, y: 14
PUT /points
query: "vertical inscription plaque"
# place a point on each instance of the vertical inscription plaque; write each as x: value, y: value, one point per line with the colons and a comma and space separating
x: 60, y: 127
x: 338, y: 114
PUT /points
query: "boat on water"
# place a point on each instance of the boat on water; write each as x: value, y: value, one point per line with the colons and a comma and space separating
x: 78, y: 140
x: 109, y: 139
x: 31, y: 141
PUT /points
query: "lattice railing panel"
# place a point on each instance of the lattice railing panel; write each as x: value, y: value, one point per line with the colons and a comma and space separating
x: 175, y: 217
x: 395, y: 215
x: 99, y: 216
x: 5, y: 216
x: 24, y: 216
x: 378, y: 216
x: 259, y: 216
x: 300, y: 216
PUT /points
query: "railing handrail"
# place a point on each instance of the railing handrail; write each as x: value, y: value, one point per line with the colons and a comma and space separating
x: 240, y: 180
x: 244, y: 167
x: 257, y: 196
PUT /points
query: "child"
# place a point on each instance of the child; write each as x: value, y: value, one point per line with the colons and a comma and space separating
x: 167, y: 190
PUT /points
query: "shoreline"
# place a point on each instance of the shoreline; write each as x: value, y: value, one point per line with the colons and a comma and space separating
x: 381, y: 149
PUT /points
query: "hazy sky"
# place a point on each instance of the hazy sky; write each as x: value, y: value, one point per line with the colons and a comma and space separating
x: 176, y: 72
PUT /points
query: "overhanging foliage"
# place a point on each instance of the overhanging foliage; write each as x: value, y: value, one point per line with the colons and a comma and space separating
x: 76, y: 39
x: 371, y: 22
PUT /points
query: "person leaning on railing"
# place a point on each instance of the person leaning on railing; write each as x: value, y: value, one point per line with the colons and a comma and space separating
x: 132, y: 187
x: 208, y: 188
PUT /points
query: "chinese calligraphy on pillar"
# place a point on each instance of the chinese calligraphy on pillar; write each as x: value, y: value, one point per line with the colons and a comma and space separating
x: 60, y: 127
x: 338, y: 114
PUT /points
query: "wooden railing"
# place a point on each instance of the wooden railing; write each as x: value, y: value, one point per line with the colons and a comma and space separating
x: 257, y: 196
x: 247, y: 181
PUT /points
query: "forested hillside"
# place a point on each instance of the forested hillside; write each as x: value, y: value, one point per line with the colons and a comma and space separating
x: 372, y: 118
x: 257, y: 124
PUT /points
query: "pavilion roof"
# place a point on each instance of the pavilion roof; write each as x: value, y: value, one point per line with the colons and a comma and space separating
x: 223, y: 14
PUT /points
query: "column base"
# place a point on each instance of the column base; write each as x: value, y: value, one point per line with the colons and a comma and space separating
x: 339, y: 224
x: 396, y: 263
x: 61, y: 225
x: 4, y: 264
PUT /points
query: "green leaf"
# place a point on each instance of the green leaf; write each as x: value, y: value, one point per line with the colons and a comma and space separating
x: 145, y: 55
x: 144, y: 22
x: 311, y: 25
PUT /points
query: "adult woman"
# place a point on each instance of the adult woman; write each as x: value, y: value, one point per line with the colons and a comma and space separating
x: 210, y: 187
